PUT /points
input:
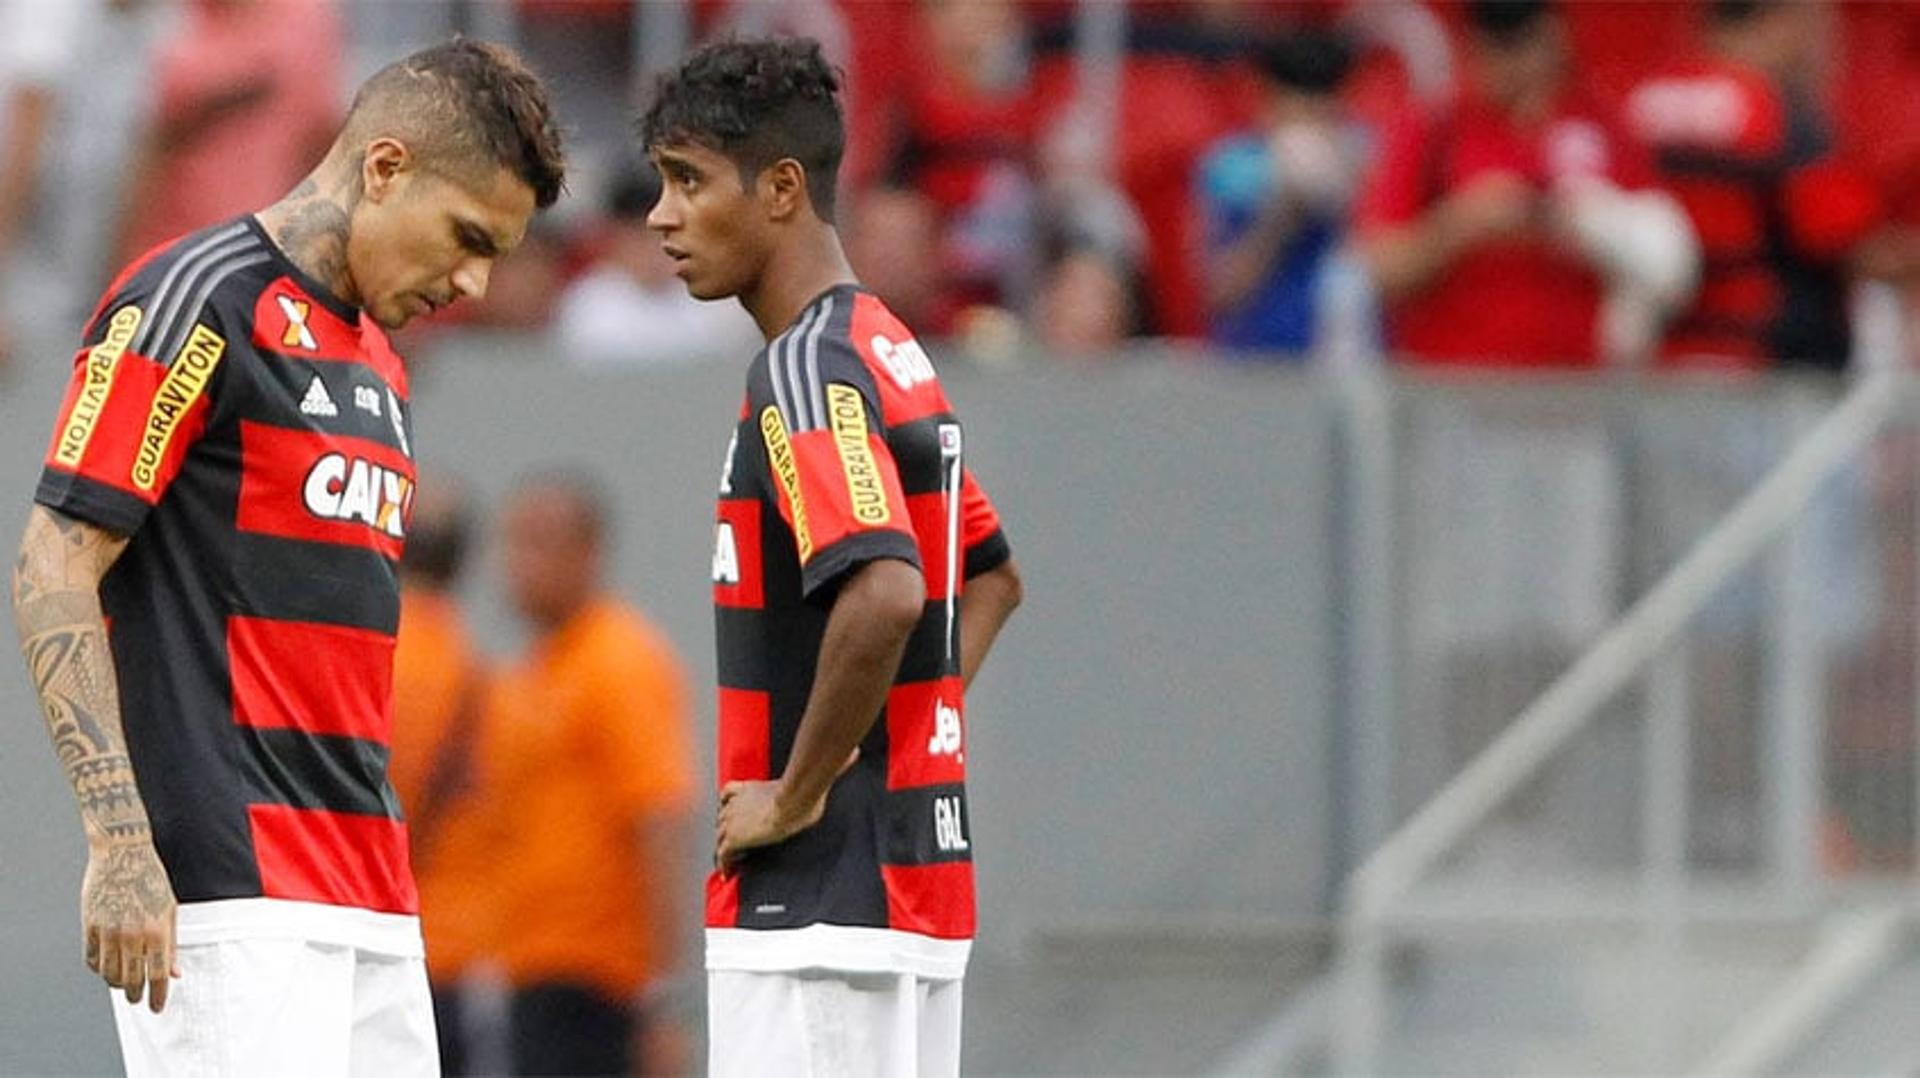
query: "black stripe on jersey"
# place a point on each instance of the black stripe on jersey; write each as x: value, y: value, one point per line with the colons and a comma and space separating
x: 95, y: 503
x: 927, y: 825
x: 916, y: 453
x: 175, y: 340
x: 826, y: 872
x: 927, y: 648
x: 317, y: 771
x: 772, y: 653
x: 187, y: 287
x: 988, y: 554
x: 317, y: 582
x: 170, y: 291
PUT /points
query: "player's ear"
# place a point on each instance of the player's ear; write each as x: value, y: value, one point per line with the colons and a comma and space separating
x: 385, y: 168
x: 786, y: 189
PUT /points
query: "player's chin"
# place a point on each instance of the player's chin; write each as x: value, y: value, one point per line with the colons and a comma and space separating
x: 391, y: 316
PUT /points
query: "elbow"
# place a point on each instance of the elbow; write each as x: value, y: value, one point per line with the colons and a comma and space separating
x: 893, y: 595
x: 1013, y: 590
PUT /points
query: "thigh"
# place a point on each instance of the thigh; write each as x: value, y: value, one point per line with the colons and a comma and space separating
x: 939, y: 1028
x: 245, y: 1008
x: 755, y: 1025
x: 852, y: 1025
x: 569, y: 1029
x: 393, y: 1027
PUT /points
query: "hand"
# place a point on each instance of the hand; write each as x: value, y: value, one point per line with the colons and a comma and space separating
x: 753, y: 814
x: 1498, y: 205
x: 127, y: 920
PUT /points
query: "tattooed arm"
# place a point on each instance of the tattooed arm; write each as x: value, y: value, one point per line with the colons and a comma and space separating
x: 126, y: 902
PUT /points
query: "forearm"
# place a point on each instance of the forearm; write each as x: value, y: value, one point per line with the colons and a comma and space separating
x: 985, y: 605
x: 56, y: 608
x: 860, y: 653
x: 1405, y: 260
x: 1244, y: 263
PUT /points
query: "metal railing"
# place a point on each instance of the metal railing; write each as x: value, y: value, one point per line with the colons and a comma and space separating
x: 1647, y: 642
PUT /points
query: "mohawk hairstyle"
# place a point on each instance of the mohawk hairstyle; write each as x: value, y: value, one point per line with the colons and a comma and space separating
x: 466, y: 106
x: 756, y: 102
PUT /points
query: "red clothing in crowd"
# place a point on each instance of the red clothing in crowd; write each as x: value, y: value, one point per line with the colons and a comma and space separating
x: 1525, y: 303
x: 1776, y: 213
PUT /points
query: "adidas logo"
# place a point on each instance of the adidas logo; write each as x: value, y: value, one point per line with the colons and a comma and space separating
x: 317, y: 401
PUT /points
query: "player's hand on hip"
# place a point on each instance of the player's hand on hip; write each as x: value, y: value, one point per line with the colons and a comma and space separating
x: 752, y: 815
x: 127, y: 920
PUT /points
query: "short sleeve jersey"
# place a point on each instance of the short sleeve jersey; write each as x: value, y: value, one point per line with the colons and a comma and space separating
x: 847, y: 451
x: 249, y: 433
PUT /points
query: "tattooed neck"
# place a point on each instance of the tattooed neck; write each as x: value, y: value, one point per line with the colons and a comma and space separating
x: 311, y: 224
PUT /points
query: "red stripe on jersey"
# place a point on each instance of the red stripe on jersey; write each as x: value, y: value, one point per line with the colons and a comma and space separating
x: 377, y: 352
x: 739, y: 578
x: 827, y: 490
x: 978, y: 519
x: 124, y: 425
x: 289, y: 322
x: 746, y: 745
x: 933, y: 900
x: 926, y: 735
x: 334, y: 857
x: 723, y: 900
x: 318, y: 679
x: 324, y: 488
x: 929, y: 514
x: 908, y: 388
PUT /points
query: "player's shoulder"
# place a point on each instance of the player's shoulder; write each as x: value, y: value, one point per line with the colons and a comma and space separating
x: 164, y: 293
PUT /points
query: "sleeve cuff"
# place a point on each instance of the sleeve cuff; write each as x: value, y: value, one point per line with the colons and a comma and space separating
x: 828, y: 567
x: 988, y: 554
x: 90, y: 501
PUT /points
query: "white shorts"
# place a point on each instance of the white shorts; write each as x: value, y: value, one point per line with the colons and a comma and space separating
x: 292, y: 1007
x: 822, y: 1024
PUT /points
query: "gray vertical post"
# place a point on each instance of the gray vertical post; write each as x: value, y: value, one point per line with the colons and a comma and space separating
x: 1360, y: 1003
x: 1794, y: 691
x: 662, y: 30
x: 1100, y: 34
x: 496, y: 20
x: 1663, y: 832
x: 1367, y: 802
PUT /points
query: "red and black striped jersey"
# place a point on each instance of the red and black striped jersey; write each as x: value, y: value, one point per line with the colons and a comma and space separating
x: 847, y: 451
x: 249, y: 433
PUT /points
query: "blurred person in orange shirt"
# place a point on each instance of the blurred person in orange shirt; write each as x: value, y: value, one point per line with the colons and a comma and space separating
x: 246, y: 99
x: 589, y: 768
x: 439, y: 684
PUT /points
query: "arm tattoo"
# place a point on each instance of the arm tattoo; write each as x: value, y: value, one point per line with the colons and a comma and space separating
x: 56, y: 605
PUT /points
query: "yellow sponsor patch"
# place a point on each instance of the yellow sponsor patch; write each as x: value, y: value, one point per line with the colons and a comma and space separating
x: 102, y: 360
x: 186, y: 380
x: 849, y: 415
x: 787, y: 470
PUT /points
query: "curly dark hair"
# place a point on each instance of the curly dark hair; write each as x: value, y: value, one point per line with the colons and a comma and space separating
x: 466, y: 106
x: 756, y: 101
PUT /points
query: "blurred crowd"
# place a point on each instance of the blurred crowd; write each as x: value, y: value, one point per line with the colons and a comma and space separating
x: 1691, y: 183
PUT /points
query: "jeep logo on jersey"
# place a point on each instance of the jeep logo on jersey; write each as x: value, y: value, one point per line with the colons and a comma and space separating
x: 906, y: 362
x: 356, y: 491
x: 947, y: 739
x: 297, y: 334
x: 92, y: 400
x: 186, y: 380
x: 849, y: 415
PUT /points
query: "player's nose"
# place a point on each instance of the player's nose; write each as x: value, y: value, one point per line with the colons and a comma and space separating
x: 470, y: 280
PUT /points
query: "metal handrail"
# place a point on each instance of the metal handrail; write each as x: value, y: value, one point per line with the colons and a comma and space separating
x: 1575, y: 699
